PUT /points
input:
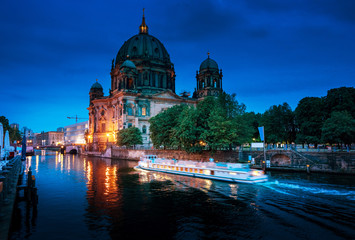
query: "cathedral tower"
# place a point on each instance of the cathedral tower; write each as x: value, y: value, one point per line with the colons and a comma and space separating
x: 208, y: 79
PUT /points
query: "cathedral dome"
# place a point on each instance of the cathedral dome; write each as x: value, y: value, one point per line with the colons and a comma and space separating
x: 143, y: 46
x: 144, y: 60
x: 96, y: 86
x: 128, y: 64
x: 209, y: 64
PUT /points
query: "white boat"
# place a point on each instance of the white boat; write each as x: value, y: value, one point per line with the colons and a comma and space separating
x: 231, y: 172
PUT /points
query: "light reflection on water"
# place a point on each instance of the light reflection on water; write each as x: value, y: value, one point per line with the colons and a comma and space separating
x: 93, y: 198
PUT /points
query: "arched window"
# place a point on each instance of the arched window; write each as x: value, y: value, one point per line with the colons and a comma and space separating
x: 161, y: 80
x: 156, y: 52
x: 203, y: 84
x: 129, y: 111
x: 215, y: 83
x: 144, y: 129
x: 145, y: 79
x: 144, y: 111
x: 130, y: 83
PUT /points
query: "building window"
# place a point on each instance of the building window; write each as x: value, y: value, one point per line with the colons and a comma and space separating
x: 103, y: 127
x: 144, y: 129
x: 144, y: 111
x: 129, y: 111
x: 130, y: 83
x: 129, y: 125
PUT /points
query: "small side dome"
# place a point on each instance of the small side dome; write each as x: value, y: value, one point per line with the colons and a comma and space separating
x: 128, y: 64
x: 209, y: 64
x: 96, y: 86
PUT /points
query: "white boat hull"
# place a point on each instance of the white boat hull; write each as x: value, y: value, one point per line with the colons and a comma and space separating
x: 220, y: 178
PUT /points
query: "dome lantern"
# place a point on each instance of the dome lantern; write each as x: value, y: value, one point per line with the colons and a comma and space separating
x: 143, y: 28
x: 209, y: 64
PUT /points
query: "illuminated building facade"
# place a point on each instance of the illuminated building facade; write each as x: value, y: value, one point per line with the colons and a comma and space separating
x: 75, y: 134
x: 51, y: 138
x: 142, y: 85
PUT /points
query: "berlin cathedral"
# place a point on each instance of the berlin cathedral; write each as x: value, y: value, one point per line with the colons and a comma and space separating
x: 142, y: 85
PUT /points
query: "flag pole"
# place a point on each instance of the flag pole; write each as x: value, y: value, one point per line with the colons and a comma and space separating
x: 262, y: 138
x: 264, y: 165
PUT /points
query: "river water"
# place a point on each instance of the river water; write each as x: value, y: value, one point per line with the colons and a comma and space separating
x: 93, y: 198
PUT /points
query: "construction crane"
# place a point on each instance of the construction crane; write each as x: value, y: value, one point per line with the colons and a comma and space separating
x: 76, y: 118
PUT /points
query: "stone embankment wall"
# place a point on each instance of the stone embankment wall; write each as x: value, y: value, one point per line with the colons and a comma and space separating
x: 339, y: 162
x: 225, y: 156
x: 333, y: 162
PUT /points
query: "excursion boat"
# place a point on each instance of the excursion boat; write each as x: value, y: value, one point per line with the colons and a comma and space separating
x: 230, y: 172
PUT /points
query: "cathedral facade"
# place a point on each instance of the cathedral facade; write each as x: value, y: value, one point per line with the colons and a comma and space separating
x: 142, y: 85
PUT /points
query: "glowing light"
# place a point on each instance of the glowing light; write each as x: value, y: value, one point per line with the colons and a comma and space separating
x: 256, y: 173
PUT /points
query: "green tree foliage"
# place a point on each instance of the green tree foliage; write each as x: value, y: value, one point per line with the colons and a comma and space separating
x: 254, y: 119
x: 14, y: 134
x: 339, y: 128
x: 340, y: 99
x: 215, y: 123
x: 278, y: 124
x: 186, y: 133
x: 309, y: 116
x: 129, y: 137
x: 163, y: 124
x: 227, y: 123
x: 221, y: 131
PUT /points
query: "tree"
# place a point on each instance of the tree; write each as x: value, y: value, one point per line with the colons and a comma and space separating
x: 340, y: 99
x: 14, y: 134
x: 221, y: 132
x: 278, y: 124
x: 339, y: 128
x: 215, y: 123
x: 129, y: 137
x: 253, y: 119
x: 162, y: 125
x: 309, y: 116
x: 186, y: 133
x: 226, y: 123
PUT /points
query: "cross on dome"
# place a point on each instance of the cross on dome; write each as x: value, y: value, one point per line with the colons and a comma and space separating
x: 143, y: 28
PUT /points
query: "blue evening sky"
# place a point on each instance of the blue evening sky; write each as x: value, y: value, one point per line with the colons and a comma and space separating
x: 270, y: 51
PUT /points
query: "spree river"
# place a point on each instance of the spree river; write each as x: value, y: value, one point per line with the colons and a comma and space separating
x: 93, y: 198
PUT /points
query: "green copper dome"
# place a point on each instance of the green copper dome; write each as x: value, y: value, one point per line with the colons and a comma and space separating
x: 96, y: 86
x: 145, y: 47
x: 128, y: 64
x: 209, y: 64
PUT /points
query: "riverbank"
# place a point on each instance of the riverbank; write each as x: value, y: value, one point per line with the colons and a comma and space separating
x: 280, y: 160
x: 9, y: 176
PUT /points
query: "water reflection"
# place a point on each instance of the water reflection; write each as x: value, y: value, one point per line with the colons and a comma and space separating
x: 106, y: 199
